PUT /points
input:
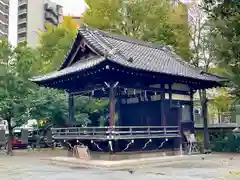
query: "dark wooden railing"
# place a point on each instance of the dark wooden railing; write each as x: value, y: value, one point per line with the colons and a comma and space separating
x: 117, y: 132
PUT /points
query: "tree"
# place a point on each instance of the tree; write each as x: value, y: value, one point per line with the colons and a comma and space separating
x: 224, y: 16
x: 55, y: 44
x: 48, y: 104
x: 154, y: 21
x: 202, y: 58
x: 180, y: 27
x: 222, y: 102
x: 26, y: 61
x: 13, y: 89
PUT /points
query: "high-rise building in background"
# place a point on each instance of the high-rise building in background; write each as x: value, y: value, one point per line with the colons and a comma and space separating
x: 4, y: 18
x: 33, y: 15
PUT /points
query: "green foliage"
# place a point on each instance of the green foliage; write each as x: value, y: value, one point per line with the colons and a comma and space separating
x: 229, y: 143
x: 5, y: 54
x: 200, y: 139
x: 90, y: 111
x: 54, y: 45
x: 223, y: 101
x: 48, y: 104
x: 26, y: 60
x: 224, y: 18
x: 149, y: 20
x: 13, y: 88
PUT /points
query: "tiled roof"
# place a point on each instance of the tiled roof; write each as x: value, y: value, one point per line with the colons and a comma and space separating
x: 134, y: 54
x: 78, y: 66
x: 146, y: 56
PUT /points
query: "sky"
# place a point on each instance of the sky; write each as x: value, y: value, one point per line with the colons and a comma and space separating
x: 70, y: 7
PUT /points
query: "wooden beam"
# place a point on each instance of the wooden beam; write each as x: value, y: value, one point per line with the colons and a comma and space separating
x: 162, y: 97
x: 161, y: 89
x: 191, y: 105
x: 71, y: 113
x: 99, y: 93
x: 170, y: 94
x: 112, y: 103
x: 119, y: 103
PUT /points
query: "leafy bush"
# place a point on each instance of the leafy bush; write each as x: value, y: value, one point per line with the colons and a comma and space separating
x: 200, y: 140
x: 228, y: 143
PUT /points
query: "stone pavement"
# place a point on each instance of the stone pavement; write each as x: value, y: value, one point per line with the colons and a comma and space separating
x: 211, y: 167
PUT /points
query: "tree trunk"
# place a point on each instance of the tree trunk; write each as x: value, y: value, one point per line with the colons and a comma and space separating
x: 205, y: 120
x: 10, y: 138
x: 219, y: 117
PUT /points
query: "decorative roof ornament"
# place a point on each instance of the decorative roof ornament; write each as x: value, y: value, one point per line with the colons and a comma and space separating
x: 130, y: 59
x: 111, y: 53
x: 115, y: 51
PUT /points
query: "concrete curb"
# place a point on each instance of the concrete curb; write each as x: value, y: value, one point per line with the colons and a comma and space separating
x: 122, y: 164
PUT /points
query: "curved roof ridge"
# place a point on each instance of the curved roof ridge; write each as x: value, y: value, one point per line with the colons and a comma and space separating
x: 123, y: 38
x: 108, y: 48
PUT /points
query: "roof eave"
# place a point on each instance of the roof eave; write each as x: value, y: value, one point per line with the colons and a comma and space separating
x: 75, y: 68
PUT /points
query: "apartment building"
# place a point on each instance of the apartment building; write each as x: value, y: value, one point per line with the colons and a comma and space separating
x: 4, y: 18
x: 33, y: 15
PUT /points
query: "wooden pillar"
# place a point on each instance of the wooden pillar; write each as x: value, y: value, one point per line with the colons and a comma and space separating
x: 119, y: 101
x: 180, y: 130
x: 111, y: 105
x: 205, y: 120
x: 112, y: 102
x: 170, y: 94
x: 119, y: 123
x: 71, y: 114
x: 162, y: 97
x: 192, y: 105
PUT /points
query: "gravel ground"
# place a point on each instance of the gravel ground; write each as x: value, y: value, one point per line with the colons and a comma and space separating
x: 29, y: 166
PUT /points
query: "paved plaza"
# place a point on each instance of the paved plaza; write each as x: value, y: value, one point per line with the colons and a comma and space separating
x: 35, y: 166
